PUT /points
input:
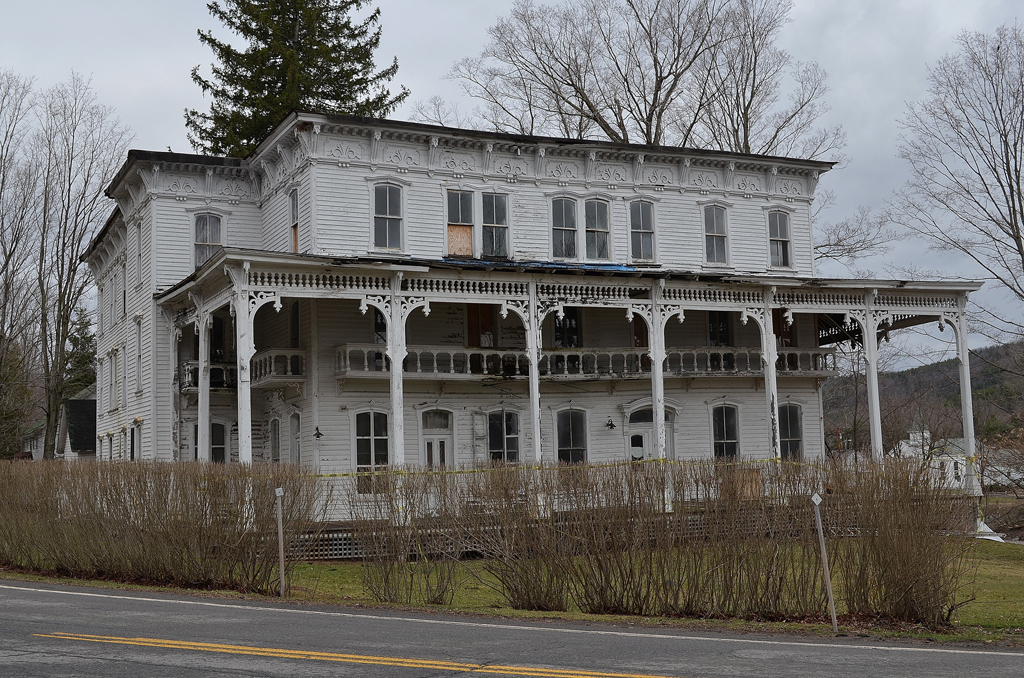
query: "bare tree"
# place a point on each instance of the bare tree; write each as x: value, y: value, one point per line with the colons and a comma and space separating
x: 744, y: 111
x: 965, y: 146
x: 78, y: 147
x: 863, y: 235
x: 623, y: 70
x: 17, y: 187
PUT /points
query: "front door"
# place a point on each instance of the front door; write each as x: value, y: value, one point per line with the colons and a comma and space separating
x: 437, y: 439
x: 640, y: 442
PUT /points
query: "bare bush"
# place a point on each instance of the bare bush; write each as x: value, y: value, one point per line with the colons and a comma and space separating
x: 208, y: 526
x: 701, y: 539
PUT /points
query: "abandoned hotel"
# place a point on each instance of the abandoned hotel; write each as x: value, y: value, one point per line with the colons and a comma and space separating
x: 361, y: 293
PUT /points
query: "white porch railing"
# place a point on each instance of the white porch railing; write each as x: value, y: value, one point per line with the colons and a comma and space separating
x: 277, y: 366
x: 222, y: 375
x: 451, y: 362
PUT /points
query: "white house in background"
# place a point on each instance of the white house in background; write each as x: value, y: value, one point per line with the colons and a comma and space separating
x: 946, y: 457
x: 359, y: 293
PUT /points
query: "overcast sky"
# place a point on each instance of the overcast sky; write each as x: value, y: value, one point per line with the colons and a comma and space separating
x: 139, y: 54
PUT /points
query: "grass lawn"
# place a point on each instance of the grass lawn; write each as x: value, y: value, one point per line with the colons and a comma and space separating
x: 996, y: 614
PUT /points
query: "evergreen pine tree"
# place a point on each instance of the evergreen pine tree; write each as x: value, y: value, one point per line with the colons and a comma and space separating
x: 300, y: 55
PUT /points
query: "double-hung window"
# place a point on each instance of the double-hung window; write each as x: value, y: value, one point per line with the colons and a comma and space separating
x: 572, y: 436
x: 778, y: 238
x: 725, y: 425
x: 208, y: 237
x: 715, y: 235
x: 641, y: 230
x: 597, y: 229
x: 503, y: 436
x: 495, y: 232
x: 563, y: 228
x: 138, y: 356
x: 790, y: 432
x: 387, y: 216
x: 138, y: 254
x: 460, y: 224
x: 293, y: 202
x: 371, y: 449
x: 275, y: 440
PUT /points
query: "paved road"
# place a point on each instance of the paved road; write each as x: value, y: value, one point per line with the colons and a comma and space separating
x: 69, y: 631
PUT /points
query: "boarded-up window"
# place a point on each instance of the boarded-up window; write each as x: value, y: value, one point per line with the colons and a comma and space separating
x: 460, y: 224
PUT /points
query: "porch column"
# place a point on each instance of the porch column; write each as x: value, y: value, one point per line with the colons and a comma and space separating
x: 770, y: 356
x: 972, y: 486
x: 203, y: 329
x: 244, y: 349
x: 533, y: 344
x: 869, y: 327
x: 657, y: 342
x: 396, y: 353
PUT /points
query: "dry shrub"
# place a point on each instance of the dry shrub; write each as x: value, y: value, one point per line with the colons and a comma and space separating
x: 190, y: 524
x: 903, y: 554
x: 406, y: 532
x: 699, y: 539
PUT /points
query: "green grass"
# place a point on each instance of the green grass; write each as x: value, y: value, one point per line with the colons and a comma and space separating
x: 995, y: 616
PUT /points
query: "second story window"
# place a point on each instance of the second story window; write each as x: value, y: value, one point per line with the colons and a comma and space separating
x: 597, y: 229
x: 563, y: 225
x: 293, y: 201
x: 641, y: 230
x: 778, y: 238
x: 460, y: 224
x: 495, y: 226
x: 208, y: 237
x: 138, y: 254
x: 387, y: 216
x: 714, y: 235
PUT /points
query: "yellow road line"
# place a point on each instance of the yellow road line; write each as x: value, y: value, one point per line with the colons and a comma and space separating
x: 407, y: 662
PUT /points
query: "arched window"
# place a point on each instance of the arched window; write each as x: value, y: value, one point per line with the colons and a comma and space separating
x: 387, y: 216
x: 371, y: 448
x: 295, y: 451
x: 778, y: 238
x: 725, y: 430
x: 715, y: 235
x: 563, y: 225
x: 275, y: 440
x: 597, y: 229
x: 572, y: 436
x: 208, y: 237
x: 641, y: 230
x: 791, y: 432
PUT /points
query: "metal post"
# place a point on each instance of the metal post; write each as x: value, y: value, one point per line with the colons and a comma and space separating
x: 816, y: 499
x: 279, y: 493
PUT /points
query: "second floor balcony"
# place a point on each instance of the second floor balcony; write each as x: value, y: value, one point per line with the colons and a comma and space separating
x: 452, y: 362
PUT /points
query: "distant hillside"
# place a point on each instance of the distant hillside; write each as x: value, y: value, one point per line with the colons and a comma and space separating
x: 930, y: 396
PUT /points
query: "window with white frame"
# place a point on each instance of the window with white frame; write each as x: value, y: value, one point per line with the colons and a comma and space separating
x: 563, y: 228
x: 293, y: 203
x: 112, y: 381
x: 572, y: 436
x: 715, y: 235
x: 100, y: 324
x: 124, y: 290
x: 725, y: 430
x: 138, y: 254
x: 111, y: 297
x: 371, y: 448
x: 460, y: 223
x: 495, y: 226
x: 122, y: 378
x: 596, y: 216
x: 295, y: 440
x: 208, y: 237
x: 138, y: 356
x: 275, y: 440
x: 134, y: 442
x: 778, y: 238
x: 790, y: 432
x: 641, y: 230
x: 503, y: 436
x: 387, y: 216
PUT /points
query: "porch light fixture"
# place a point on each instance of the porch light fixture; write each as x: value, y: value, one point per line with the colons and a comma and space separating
x: 610, y: 424
x: 317, y: 434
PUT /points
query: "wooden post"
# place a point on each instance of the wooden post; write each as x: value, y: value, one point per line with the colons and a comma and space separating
x: 279, y: 494
x: 816, y: 499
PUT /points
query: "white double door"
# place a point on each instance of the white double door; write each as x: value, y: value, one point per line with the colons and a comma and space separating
x: 437, y: 450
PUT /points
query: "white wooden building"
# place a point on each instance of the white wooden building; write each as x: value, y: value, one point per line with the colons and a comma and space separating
x: 361, y: 292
